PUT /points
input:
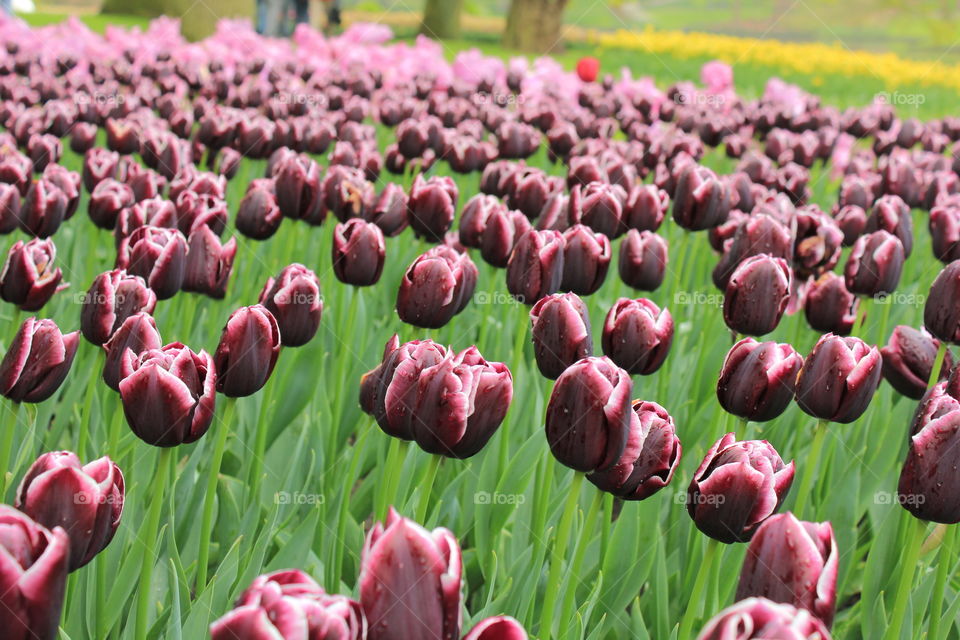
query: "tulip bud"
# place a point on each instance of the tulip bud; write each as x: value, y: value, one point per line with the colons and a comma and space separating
x: 347, y: 193
x: 497, y: 628
x: 294, y: 300
x: 646, y: 207
x: 643, y: 260
x: 259, y: 215
x: 528, y: 190
x: 637, y: 335
x: 9, y: 207
x: 473, y: 219
x: 908, y: 360
x: 600, y: 207
x: 758, y: 379
x: 168, y: 394
x: 289, y: 605
x: 762, y: 618
x: 586, y: 258
x: 502, y: 231
x: 390, y: 210
x: 248, y: 350
x: 561, y: 333
x: 535, y: 268
x: 200, y: 209
x: 29, y: 278
x: 122, y: 136
x: 701, y: 200
x: 298, y: 190
x: 892, y: 214
x: 358, y: 252
x: 432, y: 205
x: 44, y: 209
x: 874, y: 265
x: 37, y: 361
x: 98, y: 165
x: 83, y: 136
x: 650, y: 458
x: 588, y: 416
x: 86, y: 500
x: 852, y: 221
x: 138, y: 333
x: 158, y: 255
x: 792, y: 562
x: 829, y: 307
x: 109, y: 197
x: 941, y: 313
x: 209, y: 263
x: 113, y: 297
x: 737, y: 486
x: 838, y: 378
x: 34, y: 576
x: 435, y: 287
x: 757, y: 295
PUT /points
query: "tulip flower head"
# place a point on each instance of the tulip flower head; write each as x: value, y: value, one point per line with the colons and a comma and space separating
x: 37, y: 361
x: 248, y: 351
x: 759, y: 618
x: 838, y: 378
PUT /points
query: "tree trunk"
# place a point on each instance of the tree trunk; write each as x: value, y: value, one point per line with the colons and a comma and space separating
x: 535, y: 25
x: 441, y: 19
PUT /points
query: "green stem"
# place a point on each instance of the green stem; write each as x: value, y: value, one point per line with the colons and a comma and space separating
x: 556, y: 559
x: 116, y: 427
x: 341, y: 396
x: 426, y: 486
x: 915, y: 531
x: 101, y: 595
x: 387, y: 488
x: 259, y: 450
x: 696, y: 596
x: 206, y: 524
x: 92, y: 385
x: 157, y: 488
x: 809, y: 467
x: 579, y: 551
x: 607, y: 525
x: 860, y: 328
x: 6, y: 445
x: 944, y: 564
x: 344, y: 511
x: 937, y: 365
x: 744, y: 428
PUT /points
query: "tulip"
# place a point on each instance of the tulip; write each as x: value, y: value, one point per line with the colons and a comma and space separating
x: 908, y: 359
x: 435, y: 287
x: 86, y: 500
x: 760, y: 618
x: 83, y: 136
x: 432, y: 205
x: 588, y: 68
x: 586, y: 257
x: 168, y: 394
x: 259, y: 215
x: 561, y: 333
x: 37, y: 361
x: 945, y: 232
x: 852, y: 221
x: 757, y: 295
x: 517, y: 140
x: 838, y: 378
x: 792, y: 562
x: 209, y: 263
x: 200, y: 209
x: 158, y: 255
x: 497, y: 628
x: 122, y: 136
x: 535, y: 268
x: 298, y: 190
x: 637, y: 335
x: 9, y: 207
x: 98, y: 165
x: 701, y: 201
x: 358, y: 252
x: 294, y: 300
x: 650, y: 458
x: 892, y: 214
x: 390, y: 210
x: 737, y: 486
x: 248, y: 350
x: 829, y: 307
x: 758, y: 379
x: 154, y: 212
x: 600, y: 207
x: 410, y: 581
x: 756, y: 235
x: 289, y: 605
x: 528, y: 190
x: 135, y: 335
x: 29, y: 278
x: 875, y: 264
x: 473, y: 219
x: 44, y: 150
x: 109, y: 197
x: 113, y: 297
x: 941, y: 313
x: 646, y: 207
x: 347, y: 193
x: 588, y: 416
x: 34, y: 576
x: 44, y: 209
x: 643, y: 260
x: 16, y: 169
x: 502, y: 231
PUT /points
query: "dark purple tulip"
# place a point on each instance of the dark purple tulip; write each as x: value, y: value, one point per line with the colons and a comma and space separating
x: 852, y: 221
x: 98, y: 165
x: 838, y: 378
x: 892, y: 214
x: 650, y: 458
x: 588, y: 416
x: 168, y: 394
x: 646, y: 207
x: 37, y: 361
x: 298, y: 190
x: 586, y: 258
x: 755, y: 235
x: 637, y: 335
x: 792, y: 562
x: 410, y: 579
x: 497, y: 628
x: 908, y: 360
x: 875, y: 264
x: 528, y: 190
x: 358, y: 252
x: 473, y: 219
x: 158, y: 255
x: 435, y: 287
x: 643, y: 260
x: 34, y: 577
x: 113, y: 297
x: 68, y: 182
x: 502, y: 231
x: 758, y: 379
x: 701, y: 200
x: 9, y: 207
x: 347, y: 192
x: 412, y: 138
x: 29, y: 278
x: 16, y: 169
x: 941, y: 313
x: 86, y: 500
x: 137, y: 334
x: 517, y: 140
x: 737, y: 486
x: 829, y: 307
x: 757, y: 295
x: 945, y: 232
x: 44, y: 150
x: 209, y: 263
x: 290, y: 605
x: 431, y: 206
x: 294, y: 300
x: 561, y: 332
x: 44, y: 209
x: 200, y: 209
x: 259, y: 215
x: 390, y: 210
x: 248, y: 351
x: 109, y: 197
x: 535, y: 268
x: 83, y: 136
x: 122, y: 136
x: 760, y: 619
x: 600, y: 207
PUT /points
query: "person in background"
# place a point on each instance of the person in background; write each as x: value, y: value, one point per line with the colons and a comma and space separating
x: 333, y: 17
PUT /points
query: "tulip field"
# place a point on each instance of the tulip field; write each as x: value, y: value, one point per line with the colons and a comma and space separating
x: 344, y: 339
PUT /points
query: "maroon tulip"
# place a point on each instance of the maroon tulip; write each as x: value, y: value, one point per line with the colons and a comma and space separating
x: 561, y: 333
x: 113, y: 297
x: 497, y: 628
x: 431, y: 206
x: 874, y: 265
x: 390, y: 210
x: 168, y: 394
x: 298, y: 190
x: 9, y: 207
x: 473, y: 219
x: 500, y: 235
x: 122, y: 136
x: 294, y: 300
x: 108, y: 199
x: 701, y: 200
x: 908, y: 360
x: 586, y: 258
x: 646, y: 207
x: 29, y: 278
x: 757, y: 295
x: 347, y: 192
x: 758, y: 379
x: 838, y: 378
x: 829, y: 307
x: 737, y: 486
x: 248, y: 350
x: 941, y: 312
x: 410, y: 580
x: 86, y: 500
x: 436, y: 287
x: 600, y: 207
x: 852, y: 221
x: 359, y: 252
x: 83, y: 136
x: 158, y: 255
x: 290, y: 605
x: 136, y: 334
x: 588, y: 416
x: 535, y: 268
x: 792, y: 562
x: 259, y: 215
x: 153, y: 212
x: 37, y: 361
x: 34, y: 575
x: 650, y: 458
x: 755, y: 235
x: 98, y: 165
x: 195, y: 210
x: 892, y: 214
x: 44, y: 209
x: 637, y: 335
x: 209, y: 263
x: 643, y: 260
x: 759, y: 618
